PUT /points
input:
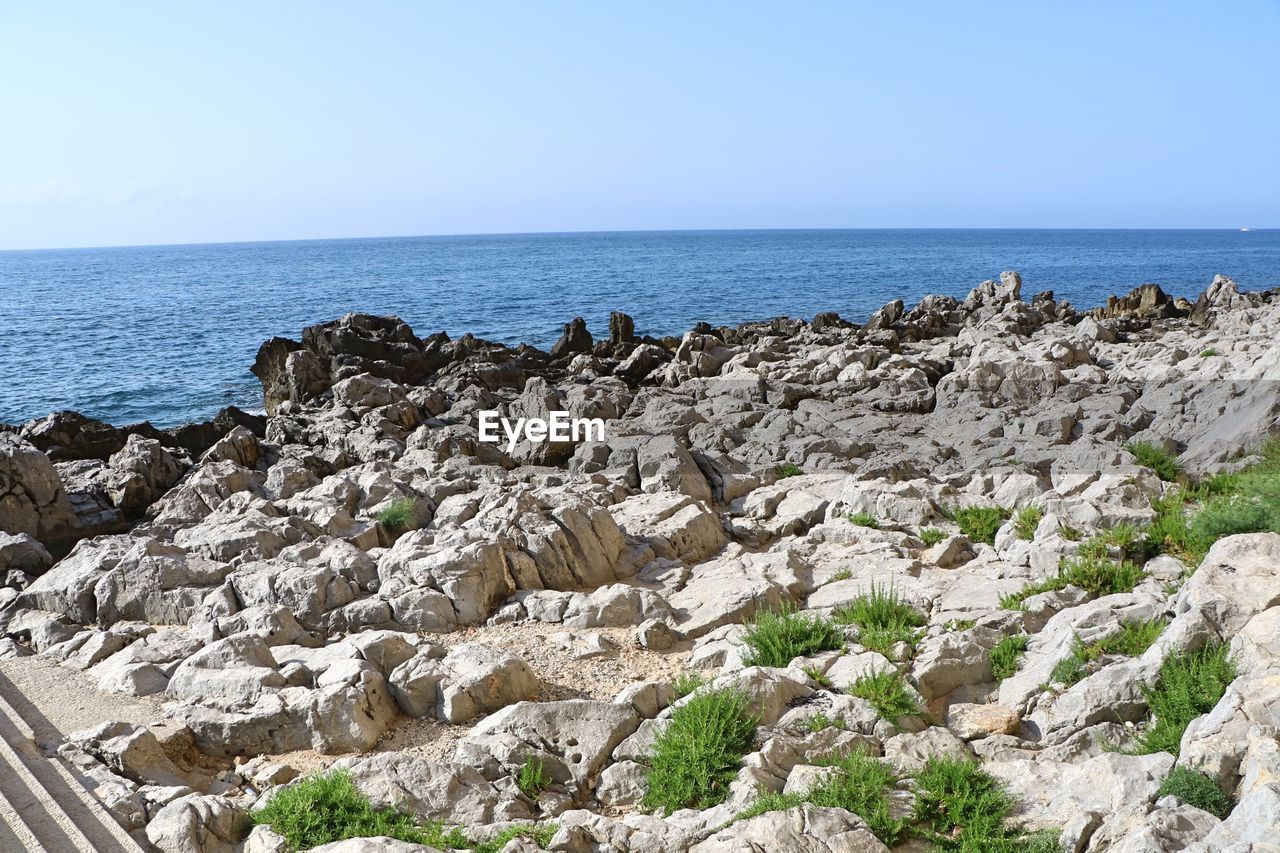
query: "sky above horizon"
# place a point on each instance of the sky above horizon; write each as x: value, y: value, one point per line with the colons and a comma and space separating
x: 148, y: 122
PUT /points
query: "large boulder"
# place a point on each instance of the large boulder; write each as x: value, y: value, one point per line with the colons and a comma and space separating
x: 32, y: 499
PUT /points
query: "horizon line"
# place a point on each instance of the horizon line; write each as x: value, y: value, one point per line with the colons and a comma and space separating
x: 604, y: 231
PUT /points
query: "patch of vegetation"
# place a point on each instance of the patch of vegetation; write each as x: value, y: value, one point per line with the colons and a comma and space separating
x: 329, y: 807
x: 398, y: 515
x: 1131, y: 640
x: 1096, y: 575
x: 1026, y: 521
x: 1187, y: 686
x: 696, y: 755
x: 687, y: 682
x: 860, y: 786
x: 820, y: 721
x: 776, y: 639
x: 1196, y: 789
x: 1209, y: 353
x: 1006, y: 656
x: 541, y: 833
x: 533, y: 778
x: 887, y: 692
x: 1229, y: 502
x: 961, y: 624
x: 1069, y: 533
x: 842, y: 575
x: 962, y: 808
x: 863, y: 519
x: 789, y: 470
x: 818, y: 676
x: 883, y: 618
x: 979, y: 523
x: 931, y: 536
x: 1155, y: 457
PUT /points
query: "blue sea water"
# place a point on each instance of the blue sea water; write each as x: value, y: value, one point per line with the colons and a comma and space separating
x: 167, y: 333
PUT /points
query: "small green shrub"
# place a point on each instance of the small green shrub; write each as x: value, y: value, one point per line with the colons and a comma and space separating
x: 776, y: 639
x: 1196, y: 789
x: 1007, y: 655
x: 1208, y: 353
x: 769, y: 802
x: 818, y: 676
x: 789, y: 470
x: 696, y: 755
x: 887, y: 692
x: 1069, y: 533
x: 962, y: 808
x: 932, y: 536
x: 1131, y: 640
x: 820, y: 721
x: 1187, y: 686
x: 329, y: 807
x: 533, y: 778
x: 1026, y: 521
x: 1155, y: 457
x: 860, y: 786
x: 979, y: 523
x: 863, y: 519
x: 1096, y: 575
x: 687, y: 682
x: 541, y: 833
x: 841, y: 575
x: 883, y: 618
x: 961, y: 624
x: 398, y: 515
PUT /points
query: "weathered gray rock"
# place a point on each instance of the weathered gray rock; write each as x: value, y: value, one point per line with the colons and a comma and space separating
x: 805, y: 828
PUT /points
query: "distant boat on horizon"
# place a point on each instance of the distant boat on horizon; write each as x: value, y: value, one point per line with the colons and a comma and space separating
x: 1246, y: 229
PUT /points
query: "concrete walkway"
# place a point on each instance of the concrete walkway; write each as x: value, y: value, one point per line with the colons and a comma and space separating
x: 44, y: 806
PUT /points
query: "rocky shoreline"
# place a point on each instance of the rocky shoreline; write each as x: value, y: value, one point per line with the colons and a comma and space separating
x: 503, y: 642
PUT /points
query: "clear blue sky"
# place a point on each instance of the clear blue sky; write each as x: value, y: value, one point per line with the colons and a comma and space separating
x: 160, y: 122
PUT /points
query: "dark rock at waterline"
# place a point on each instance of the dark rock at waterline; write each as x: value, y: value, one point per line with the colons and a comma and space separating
x: 622, y: 329
x: 67, y: 435
x: 1146, y: 302
x: 575, y: 339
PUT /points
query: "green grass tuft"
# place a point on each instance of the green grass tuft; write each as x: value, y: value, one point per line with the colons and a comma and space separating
x: 863, y: 519
x: 541, y: 834
x: 398, y: 515
x: 1187, y: 686
x: 887, y: 692
x: 533, y: 778
x: 820, y: 721
x: 696, y: 755
x: 687, y: 682
x: 962, y: 808
x: 1196, y: 789
x: 1131, y: 640
x: 1007, y: 655
x: 1026, y: 521
x: 1208, y: 353
x: 1155, y: 457
x: 932, y: 536
x: 329, y: 807
x: 818, y: 676
x: 883, y: 618
x: 789, y: 470
x: 776, y: 639
x: 979, y: 523
x: 859, y: 786
x: 1096, y: 575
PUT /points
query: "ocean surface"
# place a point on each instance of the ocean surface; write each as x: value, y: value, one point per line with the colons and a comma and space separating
x: 168, y: 333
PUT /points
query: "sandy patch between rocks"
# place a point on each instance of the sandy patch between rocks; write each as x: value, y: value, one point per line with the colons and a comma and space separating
x: 564, y: 677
